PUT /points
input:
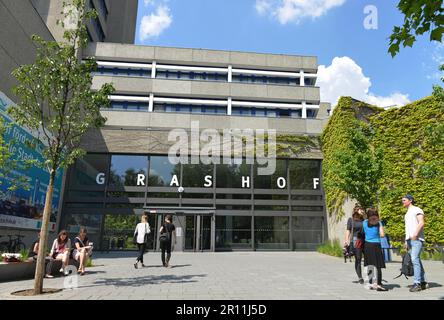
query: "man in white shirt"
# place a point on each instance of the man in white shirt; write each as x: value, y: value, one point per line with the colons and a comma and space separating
x: 414, y: 240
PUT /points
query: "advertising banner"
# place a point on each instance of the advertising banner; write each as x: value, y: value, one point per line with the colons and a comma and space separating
x: 23, y: 208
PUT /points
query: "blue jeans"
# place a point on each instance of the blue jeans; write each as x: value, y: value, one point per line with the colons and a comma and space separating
x: 415, y: 247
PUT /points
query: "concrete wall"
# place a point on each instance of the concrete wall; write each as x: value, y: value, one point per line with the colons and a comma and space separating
x: 19, y: 20
x: 119, y: 26
x: 208, y: 89
x: 186, y: 56
x: 337, y: 227
x: 122, y: 21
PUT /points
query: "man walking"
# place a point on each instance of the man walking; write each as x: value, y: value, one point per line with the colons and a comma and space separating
x: 414, y: 240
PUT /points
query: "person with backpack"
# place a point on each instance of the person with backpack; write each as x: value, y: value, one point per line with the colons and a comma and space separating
x: 167, y: 231
x: 373, y: 256
x: 141, y: 238
x: 354, y: 238
x: 414, y: 240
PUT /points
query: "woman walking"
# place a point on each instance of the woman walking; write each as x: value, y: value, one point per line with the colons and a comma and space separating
x: 354, y: 237
x: 141, y: 238
x: 373, y: 257
x: 167, y: 231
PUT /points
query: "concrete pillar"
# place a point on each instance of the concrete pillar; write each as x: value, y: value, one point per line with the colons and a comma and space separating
x: 302, y: 81
x: 229, y: 106
x: 230, y: 73
x: 151, y: 103
x: 153, y: 70
x: 304, y: 110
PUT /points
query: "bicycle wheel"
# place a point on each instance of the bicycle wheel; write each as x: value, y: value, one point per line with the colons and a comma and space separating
x: 19, y: 247
x: 3, y: 248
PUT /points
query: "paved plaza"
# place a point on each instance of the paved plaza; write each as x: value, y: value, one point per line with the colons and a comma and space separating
x: 231, y: 275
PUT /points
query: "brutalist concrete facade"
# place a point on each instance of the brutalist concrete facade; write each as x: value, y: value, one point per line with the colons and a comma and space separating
x: 209, y: 217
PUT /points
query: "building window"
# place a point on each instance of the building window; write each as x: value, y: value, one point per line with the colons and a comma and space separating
x: 128, y: 106
x: 187, y: 108
x: 194, y: 175
x: 233, y: 232
x: 302, y: 173
x: 92, y: 222
x: 86, y: 171
x: 278, y: 180
x: 272, y: 233
x: 125, y: 72
x: 162, y: 171
x: 126, y: 168
x: 119, y: 231
x: 307, y: 232
x: 230, y: 176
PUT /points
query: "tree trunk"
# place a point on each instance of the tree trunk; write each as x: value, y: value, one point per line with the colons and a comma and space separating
x: 40, y: 266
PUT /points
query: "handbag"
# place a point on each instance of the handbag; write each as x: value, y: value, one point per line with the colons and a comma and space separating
x: 145, y: 238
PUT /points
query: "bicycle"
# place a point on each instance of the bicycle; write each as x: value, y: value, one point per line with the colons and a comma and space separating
x: 13, y: 245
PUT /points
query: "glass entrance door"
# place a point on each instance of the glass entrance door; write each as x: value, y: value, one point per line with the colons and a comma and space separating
x: 197, y: 233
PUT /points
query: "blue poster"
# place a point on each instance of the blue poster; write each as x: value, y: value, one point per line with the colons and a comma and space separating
x: 24, y: 208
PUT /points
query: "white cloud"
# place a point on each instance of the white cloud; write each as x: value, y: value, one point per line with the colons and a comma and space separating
x: 262, y: 6
x: 154, y: 24
x: 295, y: 10
x: 148, y: 2
x: 344, y: 77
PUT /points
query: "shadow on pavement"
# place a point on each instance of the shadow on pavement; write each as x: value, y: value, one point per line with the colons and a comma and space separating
x: 434, y: 285
x: 142, y: 281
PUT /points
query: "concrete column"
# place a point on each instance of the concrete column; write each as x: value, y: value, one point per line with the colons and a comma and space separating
x: 304, y: 110
x: 229, y: 106
x: 230, y: 73
x: 153, y: 70
x: 151, y: 103
x: 302, y: 79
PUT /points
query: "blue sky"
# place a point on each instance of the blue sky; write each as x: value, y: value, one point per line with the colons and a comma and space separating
x: 354, y: 60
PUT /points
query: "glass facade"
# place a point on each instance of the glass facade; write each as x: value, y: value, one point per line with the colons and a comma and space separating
x: 162, y: 171
x: 233, y: 232
x: 282, y: 211
x: 272, y: 233
x: 125, y: 169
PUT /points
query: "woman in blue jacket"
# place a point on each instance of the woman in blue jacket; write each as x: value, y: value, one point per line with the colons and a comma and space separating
x: 373, y: 257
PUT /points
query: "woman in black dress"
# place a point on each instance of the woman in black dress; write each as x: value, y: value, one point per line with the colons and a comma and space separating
x: 354, y: 238
x: 167, y: 231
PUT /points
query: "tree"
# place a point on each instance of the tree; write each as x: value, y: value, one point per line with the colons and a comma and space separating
x: 420, y: 16
x: 56, y: 101
x: 358, y: 168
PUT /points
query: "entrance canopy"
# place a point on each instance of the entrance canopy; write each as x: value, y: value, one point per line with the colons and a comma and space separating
x: 180, y: 210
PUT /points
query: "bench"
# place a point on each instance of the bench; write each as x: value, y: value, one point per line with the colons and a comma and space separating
x: 15, y: 271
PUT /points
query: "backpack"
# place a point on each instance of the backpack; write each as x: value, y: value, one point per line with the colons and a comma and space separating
x: 407, y: 266
x: 165, y: 236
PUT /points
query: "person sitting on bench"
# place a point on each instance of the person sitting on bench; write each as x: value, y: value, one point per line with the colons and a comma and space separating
x: 82, y: 250
x: 60, y: 250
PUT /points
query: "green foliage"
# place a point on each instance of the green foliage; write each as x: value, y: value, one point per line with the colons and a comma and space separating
x: 89, y: 263
x: 413, y: 163
x: 413, y: 160
x: 24, y: 254
x: 349, y: 157
x: 331, y: 248
x: 420, y: 16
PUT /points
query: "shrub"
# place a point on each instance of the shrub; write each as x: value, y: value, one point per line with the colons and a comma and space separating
x: 331, y: 248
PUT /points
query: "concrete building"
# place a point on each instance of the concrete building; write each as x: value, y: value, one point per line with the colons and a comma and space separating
x: 19, y: 20
x: 215, y: 206
x: 116, y: 19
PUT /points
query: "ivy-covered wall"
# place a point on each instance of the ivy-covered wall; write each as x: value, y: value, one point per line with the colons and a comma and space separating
x: 413, y: 160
